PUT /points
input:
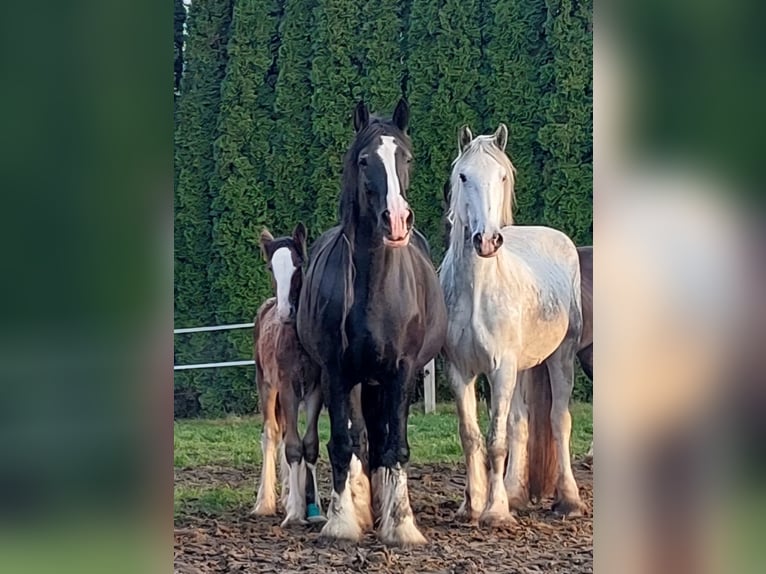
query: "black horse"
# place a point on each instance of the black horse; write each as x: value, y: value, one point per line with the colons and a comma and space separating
x: 372, y: 313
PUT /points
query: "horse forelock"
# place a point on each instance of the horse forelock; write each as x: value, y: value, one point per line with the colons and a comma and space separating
x: 479, y: 146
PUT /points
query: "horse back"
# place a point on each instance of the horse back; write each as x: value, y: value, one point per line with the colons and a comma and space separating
x: 326, y: 296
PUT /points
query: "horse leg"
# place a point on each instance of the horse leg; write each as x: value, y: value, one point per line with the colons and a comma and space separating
x: 516, y: 484
x: 472, y: 441
x: 561, y: 371
x: 358, y: 479
x: 372, y: 405
x: 397, y: 523
x: 295, y: 507
x: 311, y: 454
x: 341, y: 516
x: 503, y: 381
x: 266, y: 501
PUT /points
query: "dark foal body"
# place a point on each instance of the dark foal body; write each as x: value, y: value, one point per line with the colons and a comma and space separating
x: 372, y: 314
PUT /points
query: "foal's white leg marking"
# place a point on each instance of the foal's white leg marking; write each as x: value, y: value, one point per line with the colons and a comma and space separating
x: 296, y: 499
x: 516, y: 474
x: 397, y: 524
x: 360, y: 493
x: 473, y: 445
x: 283, y: 269
x: 341, y: 516
x: 284, y: 474
x: 266, y: 501
x: 395, y: 202
x: 503, y: 382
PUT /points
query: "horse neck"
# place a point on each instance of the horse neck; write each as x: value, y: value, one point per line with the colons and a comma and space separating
x: 476, y: 272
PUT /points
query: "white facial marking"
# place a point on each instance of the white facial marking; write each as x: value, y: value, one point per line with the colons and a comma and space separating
x: 283, y: 269
x: 387, y: 152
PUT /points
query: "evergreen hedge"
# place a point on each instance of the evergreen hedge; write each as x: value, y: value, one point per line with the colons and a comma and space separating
x: 264, y: 117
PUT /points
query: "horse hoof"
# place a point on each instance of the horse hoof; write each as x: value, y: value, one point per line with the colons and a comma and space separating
x: 404, y: 535
x: 568, y: 508
x: 263, y: 509
x: 496, y: 519
x: 518, y: 503
x: 314, y: 515
x: 466, y: 514
x: 293, y: 521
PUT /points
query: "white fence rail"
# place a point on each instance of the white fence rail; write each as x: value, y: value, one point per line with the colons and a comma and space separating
x: 429, y: 391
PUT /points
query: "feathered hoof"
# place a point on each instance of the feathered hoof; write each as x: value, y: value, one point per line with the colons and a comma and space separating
x: 293, y: 520
x: 264, y: 508
x: 337, y: 529
x: 496, y: 519
x: 569, y: 508
x: 467, y: 514
x: 405, y: 534
x: 518, y: 502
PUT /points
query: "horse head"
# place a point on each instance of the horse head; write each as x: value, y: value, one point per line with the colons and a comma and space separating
x: 376, y: 176
x: 285, y: 257
x: 481, y: 198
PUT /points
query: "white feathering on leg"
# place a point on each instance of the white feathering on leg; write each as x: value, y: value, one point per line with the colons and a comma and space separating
x: 360, y: 493
x: 341, y: 517
x: 397, y: 524
x: 265, y: 502
x: 284, y: 475
x: 296, y: 499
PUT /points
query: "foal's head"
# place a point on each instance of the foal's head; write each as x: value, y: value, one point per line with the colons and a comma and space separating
x: 376, y: 175
x: 482, y: 180
x: 285, y: 257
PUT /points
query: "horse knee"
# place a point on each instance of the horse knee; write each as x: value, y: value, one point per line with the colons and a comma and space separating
x: 293, y: 450
x: 311, y: 449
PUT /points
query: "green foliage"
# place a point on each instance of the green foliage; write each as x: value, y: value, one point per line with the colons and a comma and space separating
x: 179, y: 17
x: 334, y: 77
x: 264, y: 118
x: 197, y: 112
x: 443, y: 66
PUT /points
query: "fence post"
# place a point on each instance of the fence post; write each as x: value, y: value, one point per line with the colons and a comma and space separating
x: 429, y: 387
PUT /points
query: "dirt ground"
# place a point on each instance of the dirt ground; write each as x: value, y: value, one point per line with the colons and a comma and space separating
x: 540, y: 542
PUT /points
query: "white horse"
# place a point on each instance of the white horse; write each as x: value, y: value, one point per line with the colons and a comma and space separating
x: 513, y: 303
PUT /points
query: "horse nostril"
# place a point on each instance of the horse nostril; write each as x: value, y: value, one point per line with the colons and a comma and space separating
x: 410, y: 219
x: 476, y: 240
x: 498, y: 239
x: 386, y: 217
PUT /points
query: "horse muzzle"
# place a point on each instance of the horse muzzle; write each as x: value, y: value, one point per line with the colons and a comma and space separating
x: 396, y: 227
x: 487, y: 245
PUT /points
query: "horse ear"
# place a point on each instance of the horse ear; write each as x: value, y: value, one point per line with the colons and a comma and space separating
x: 402, y: 115
x: 265, y: 240
x: 464, y: 137
x: 361, y: 116
x: 447, y: 191
x: 501, y: 136
x: 299, y: 237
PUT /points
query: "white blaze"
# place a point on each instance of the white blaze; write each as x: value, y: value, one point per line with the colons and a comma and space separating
x: 395, y: 203
x: 283, y: 269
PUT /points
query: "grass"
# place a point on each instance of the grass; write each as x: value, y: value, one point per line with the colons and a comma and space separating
x: 235, y: 442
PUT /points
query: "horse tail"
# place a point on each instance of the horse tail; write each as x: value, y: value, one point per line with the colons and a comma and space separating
x: 541, y: 446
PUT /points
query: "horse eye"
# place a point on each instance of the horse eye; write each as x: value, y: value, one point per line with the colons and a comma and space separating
x: 462, y: 177
x: 505, y: 178
x: 363, y: 161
